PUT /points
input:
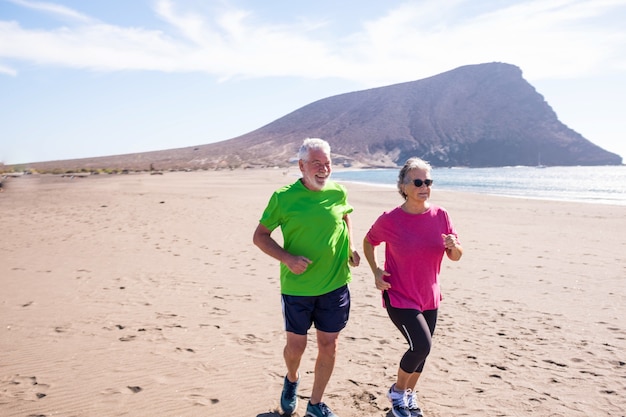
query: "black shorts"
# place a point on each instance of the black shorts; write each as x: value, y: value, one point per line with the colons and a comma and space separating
x: 329, y: 312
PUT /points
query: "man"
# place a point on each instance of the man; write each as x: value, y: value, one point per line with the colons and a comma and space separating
x: 313, y: 214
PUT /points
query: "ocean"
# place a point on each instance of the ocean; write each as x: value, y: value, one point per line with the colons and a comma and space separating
x: 597, y: 184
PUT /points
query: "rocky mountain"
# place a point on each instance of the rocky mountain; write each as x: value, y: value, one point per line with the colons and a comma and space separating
x: 476, y: 116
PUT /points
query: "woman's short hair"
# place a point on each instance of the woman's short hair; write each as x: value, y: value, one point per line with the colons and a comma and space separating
x: 411, y: 163
x: 312, y: 143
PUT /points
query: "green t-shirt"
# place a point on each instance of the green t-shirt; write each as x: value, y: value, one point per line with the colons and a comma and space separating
x: 312, y: 226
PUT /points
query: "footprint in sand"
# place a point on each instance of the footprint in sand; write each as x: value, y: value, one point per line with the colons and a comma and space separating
x: 23, y: 387
x: 250, y: 339
x: 199, y: 399
x: 178, y: 349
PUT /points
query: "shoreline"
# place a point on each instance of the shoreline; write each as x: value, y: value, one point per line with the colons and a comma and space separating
x: 506, y: 186
x: 290, y: 172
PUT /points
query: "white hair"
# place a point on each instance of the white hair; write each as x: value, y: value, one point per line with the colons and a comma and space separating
x: 312, y: 143
x: 411, y: 163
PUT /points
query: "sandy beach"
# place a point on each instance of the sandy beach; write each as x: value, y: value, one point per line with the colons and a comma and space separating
x: 143, y: 295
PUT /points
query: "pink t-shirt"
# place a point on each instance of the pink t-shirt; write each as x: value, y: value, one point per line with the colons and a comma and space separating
x: 414, y: 250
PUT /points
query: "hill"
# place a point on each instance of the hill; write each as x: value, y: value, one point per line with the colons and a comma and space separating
x: 476, y: 116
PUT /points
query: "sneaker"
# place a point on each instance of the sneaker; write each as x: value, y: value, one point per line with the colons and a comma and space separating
x: 399, y: 406
x: 411, y: 401
x: 288, y: 398
x: 319, y: 410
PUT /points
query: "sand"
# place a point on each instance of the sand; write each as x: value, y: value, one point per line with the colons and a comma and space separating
x: 143, y: 295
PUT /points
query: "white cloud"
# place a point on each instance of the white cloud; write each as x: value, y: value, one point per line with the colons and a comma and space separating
x: 546, y: 38
x: 7, y: 70
x: 53, y: 9
x: 192, y: 26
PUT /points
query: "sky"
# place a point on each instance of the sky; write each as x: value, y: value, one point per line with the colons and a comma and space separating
x: 93, y: 78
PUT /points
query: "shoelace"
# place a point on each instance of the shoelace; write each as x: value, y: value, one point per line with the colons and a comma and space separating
x: 411, y: 400
x: 291, y: 389
x: 324, y: 409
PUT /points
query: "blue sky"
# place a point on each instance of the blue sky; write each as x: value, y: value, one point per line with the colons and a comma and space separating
x: 94, y: 78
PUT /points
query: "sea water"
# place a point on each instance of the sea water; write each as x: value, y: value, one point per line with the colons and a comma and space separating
x: 597, y: 184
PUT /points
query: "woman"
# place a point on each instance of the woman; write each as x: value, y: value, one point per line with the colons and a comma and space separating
x: 416, y: 235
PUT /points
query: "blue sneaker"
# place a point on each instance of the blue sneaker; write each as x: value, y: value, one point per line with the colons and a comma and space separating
x: 288, y: 398
x: 318, y: 410
x: 399, y: 403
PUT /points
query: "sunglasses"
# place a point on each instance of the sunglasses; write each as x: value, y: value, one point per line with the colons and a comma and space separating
x: 418, y: 183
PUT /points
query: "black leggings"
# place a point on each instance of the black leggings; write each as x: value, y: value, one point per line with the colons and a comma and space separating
x: 417, y: 327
